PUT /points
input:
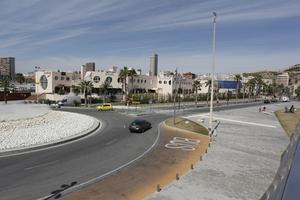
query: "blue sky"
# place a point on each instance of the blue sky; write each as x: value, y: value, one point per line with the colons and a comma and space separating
x: 54, y: 34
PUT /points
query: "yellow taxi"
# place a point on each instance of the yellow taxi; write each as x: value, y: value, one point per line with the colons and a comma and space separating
x: 104, y: 107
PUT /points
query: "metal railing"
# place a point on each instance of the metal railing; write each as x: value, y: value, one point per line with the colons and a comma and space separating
x: 277, y: 188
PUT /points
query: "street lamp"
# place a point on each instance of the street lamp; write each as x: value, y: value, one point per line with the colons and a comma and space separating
x: 36, y: 69
x: 213, y: 71
x: 175, y: 94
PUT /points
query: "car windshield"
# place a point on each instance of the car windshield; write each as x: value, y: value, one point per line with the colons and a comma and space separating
x: 138, y: 122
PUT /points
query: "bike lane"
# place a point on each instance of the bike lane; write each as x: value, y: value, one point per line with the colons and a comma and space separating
x: 175, y: 154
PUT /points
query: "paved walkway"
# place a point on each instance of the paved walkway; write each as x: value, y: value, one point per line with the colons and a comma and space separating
x: 241, y: 163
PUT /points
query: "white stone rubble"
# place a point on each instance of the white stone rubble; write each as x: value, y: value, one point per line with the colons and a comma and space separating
x: 48, y: 127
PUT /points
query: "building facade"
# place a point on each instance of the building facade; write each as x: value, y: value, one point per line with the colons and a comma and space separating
x: 153, y: 65
x: 88, y: 67
x: 7, y: 67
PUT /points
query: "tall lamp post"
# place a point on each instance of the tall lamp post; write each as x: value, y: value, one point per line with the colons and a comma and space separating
x: 213, y: 72
x: 36, y: 69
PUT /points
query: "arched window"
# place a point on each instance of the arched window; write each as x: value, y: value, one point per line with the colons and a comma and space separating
x: 44, y: 82
x: 108, y: 79
x: 165, y: 82
x: 96, y: 79
x: 56, y: 77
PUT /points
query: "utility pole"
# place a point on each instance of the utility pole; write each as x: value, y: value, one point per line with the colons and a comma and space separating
x: 213, y: 71
x: 175, y: 92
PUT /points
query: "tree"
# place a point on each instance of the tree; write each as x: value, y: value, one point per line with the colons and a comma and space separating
x: 123, y: 76
x: 105, y: 87
x: 196, y: 86
x: 86, y: 87
x: 208, y: 84
x: 75, y: 89
x: 5, y: 84
x: 297, y: 91
x: 131, y: 74
x: 20, y: 78
x: 237, y: 78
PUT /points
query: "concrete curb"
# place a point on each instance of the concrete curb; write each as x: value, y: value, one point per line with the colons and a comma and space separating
x: 94, y: 127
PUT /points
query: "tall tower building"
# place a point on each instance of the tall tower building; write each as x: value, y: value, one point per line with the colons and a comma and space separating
x: 87, y: 68
x: 153, y: 65
x: 7, y: 67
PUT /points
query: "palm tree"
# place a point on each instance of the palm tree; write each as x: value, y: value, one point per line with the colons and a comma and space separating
x: 5, y: 84
x: 123, y: 76
x: 131, y: 74
x: 237, y: 78
x: 208, y: 84
x: 20, y: 78
x: 105, y: 87
x: 196, y: 86
x: 86, y: 87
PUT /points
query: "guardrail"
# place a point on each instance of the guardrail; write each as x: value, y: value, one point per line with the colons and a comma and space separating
x: 277, y: 188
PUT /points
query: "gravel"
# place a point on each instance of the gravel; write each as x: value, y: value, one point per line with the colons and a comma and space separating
x: 17, y: 110
x: 47, y: 126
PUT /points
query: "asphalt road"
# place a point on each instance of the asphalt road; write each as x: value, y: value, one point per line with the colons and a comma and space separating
x: 37, y: 174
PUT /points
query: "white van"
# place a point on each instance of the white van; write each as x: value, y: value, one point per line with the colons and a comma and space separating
x: 70, y: 100
x: 285, y: 99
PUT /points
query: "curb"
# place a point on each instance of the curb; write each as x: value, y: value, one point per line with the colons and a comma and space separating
x: 95, y: 126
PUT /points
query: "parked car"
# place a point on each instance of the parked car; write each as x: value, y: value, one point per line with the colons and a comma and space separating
x: 285, y: 99
x: 267, y: 101
x: 139, y: 126
x: 104, y: 107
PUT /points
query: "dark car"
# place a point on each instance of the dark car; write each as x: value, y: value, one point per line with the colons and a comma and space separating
x: 139, y: 126
x: 267, y: 101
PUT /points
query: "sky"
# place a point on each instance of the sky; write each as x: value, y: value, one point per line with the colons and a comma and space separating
x: 251, y: 35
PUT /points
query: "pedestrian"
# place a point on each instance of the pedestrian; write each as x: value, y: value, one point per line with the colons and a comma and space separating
x: 214, y: 135
x: 259, y: 109
x: 264, y: 108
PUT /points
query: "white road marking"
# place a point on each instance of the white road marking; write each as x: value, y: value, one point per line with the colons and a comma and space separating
x: 111, y: 142
x: 41, y: 165
x: 185, y: 144
x: 110, y: 172
x: 235, y: 121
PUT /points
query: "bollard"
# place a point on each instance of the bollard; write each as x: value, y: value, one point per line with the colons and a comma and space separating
x: 206, y: 151
x: 192, y: 166
x: 200, y: 158
x: 177, y: 176
x: 158, y: 188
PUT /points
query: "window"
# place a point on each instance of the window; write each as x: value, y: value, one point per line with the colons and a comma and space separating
x: 108, y: 79
x: 159, y: 82
x: 144, y: 81
x: 68, y: 78
x: 170, y: 82
x: 62, y: 78
x: 165, y: 82
x: 56, y: 77
x: 44, y: 82
x: 96, y: 79
x: 138, y: 80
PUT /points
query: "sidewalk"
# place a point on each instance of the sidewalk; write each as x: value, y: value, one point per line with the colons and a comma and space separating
x: 241, y: 163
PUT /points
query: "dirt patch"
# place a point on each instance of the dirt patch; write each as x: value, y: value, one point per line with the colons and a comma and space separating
x: 187, y: 124
x: 159, y: 167
x: 288, y: 121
